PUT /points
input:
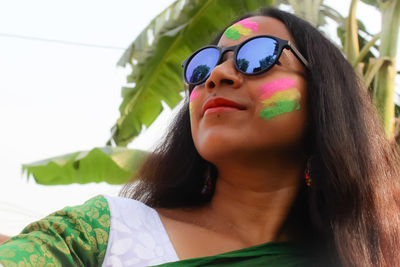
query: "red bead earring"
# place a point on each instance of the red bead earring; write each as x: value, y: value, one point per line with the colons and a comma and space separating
x: 209, y: 183
x: 207, y: 187
x: 307, y: 175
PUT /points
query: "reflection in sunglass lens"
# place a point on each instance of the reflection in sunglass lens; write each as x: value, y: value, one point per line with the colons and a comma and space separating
x: 257, y: 55
x: 201, y: 65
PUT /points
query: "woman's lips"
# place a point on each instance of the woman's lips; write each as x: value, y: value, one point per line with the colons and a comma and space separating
x: 221, y: 104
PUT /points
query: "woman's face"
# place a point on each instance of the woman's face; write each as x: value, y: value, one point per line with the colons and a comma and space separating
x: 273, y: 105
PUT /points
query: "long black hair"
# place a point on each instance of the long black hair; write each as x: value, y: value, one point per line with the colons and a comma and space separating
x: 352, y: 208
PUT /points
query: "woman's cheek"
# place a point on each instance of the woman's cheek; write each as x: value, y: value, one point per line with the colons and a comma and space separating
x: 193, y: 95
x: 279, y: 97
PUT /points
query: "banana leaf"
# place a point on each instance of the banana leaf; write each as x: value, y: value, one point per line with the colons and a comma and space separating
x: 114, y: 165
x: 374, y: 3
x: 157, y: 53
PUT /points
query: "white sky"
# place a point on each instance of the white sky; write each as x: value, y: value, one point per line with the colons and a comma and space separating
x: 58, y: 98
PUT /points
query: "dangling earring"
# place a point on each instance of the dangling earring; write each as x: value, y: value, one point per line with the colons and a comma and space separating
x: 208, y: 183
x: 307, y: 173
x: 207, y: 187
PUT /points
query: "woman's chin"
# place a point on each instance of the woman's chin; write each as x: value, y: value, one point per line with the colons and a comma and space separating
x: 215, y: 146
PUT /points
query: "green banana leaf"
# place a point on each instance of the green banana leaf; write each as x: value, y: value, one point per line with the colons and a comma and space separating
x: 114, y: 165
x: 157, y: 53
x: 374, y: 3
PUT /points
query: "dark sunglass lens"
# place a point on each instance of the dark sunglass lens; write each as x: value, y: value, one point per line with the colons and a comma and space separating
x: 201, y: 65
x: 257, y: 55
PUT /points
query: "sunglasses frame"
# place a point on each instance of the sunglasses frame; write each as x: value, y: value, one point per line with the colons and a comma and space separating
x: 282, y: 44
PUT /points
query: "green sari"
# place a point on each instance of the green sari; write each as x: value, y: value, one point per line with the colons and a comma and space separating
x: 271, y: 254
x: 78, y: 236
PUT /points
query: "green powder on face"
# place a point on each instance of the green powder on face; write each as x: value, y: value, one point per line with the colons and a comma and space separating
x: 279, y: 108
x: 232, y: 34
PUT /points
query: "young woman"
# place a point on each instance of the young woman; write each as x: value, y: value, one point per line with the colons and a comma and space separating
x: 277, y: 158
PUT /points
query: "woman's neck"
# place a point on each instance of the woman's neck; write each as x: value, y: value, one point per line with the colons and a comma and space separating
x: 253, y: 201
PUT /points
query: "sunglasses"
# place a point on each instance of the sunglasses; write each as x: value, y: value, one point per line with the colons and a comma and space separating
x: 251, y: 57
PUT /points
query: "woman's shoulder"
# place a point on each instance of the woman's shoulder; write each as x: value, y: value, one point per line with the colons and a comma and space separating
x: 137, y: 235
x: 74, y: 233
x: 119, y: 205
x: 104, y: 230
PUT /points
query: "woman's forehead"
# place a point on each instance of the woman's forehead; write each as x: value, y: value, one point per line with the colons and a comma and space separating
x: 252, y: 26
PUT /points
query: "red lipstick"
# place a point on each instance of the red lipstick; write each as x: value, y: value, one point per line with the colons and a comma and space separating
x: 219, y: 104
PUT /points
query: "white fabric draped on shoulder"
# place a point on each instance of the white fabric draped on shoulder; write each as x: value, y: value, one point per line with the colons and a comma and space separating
x: 137, y: 236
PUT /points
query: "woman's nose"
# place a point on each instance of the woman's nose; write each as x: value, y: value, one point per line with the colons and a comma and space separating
x: 224, y: 74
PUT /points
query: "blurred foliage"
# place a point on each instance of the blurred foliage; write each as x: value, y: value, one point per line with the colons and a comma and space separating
x: 157, y: 53
x: 114, y: 165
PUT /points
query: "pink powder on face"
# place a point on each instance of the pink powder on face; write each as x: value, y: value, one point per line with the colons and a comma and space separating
x: 247, y: 23
x: 193, y: 95
x: 241, y: 28
x: 268, y: 89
